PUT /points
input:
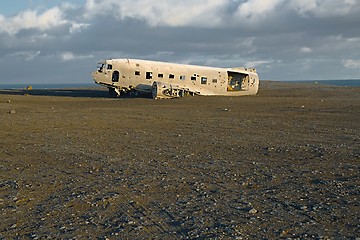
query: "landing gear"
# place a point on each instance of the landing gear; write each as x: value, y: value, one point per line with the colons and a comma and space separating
x: 114, y: 92
x: 154, y: 90
x: 164, y: 90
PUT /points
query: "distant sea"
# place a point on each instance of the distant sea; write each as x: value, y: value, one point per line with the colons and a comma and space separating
x: 343, y: 83
x: 47, y: 85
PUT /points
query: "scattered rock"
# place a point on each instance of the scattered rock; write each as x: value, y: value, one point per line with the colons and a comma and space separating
x: 8, y: 101
x: 12, y: 111
x: 253, y: 211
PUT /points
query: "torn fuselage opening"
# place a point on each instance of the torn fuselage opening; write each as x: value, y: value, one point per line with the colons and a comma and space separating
x: 238, y: 81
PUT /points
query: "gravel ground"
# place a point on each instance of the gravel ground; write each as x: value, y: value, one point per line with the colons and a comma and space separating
x: 284, y: 164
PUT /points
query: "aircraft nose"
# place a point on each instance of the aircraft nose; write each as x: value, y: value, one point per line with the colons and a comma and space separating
x: 94, y: 76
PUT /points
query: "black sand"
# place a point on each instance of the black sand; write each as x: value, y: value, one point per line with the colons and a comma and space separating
x: 280, y: 165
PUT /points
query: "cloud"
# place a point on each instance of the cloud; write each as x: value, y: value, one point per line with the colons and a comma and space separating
x: 324, y: 8
x: 78, y: 27
x: 252, y: 10
x: 350, y: 63
x: 186, y: 13
x: 26, y: 55
x: 30, y: 19
x: 215, y: 13
x: 46, y: 21
x: 69, y: 56
x: 205, y: 13
x: 305, y: 50
x: 257, y: 63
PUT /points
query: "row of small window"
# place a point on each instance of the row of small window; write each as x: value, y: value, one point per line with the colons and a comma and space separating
x: 149, y: 75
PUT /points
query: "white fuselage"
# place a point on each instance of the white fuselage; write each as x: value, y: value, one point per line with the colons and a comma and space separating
x: 142, y: 75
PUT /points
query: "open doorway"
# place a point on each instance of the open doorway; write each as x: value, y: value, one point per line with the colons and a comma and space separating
x: 238, y: 81
x: 115, y: 76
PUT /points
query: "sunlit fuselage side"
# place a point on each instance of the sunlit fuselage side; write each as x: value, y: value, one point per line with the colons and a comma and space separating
x: 124, y: 75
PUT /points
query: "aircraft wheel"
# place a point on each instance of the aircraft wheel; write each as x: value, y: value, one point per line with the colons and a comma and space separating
x: 154, y: 90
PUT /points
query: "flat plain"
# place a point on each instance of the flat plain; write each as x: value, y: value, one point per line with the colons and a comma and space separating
x: 284, y: 164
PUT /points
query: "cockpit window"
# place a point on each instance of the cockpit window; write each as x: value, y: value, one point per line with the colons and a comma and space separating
x: 100, y: 67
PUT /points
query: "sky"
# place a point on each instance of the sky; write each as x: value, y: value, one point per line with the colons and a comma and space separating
x: 51, y: 41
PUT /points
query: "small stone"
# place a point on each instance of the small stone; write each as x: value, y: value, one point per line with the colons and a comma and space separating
x: 8, y: 101
x: 253, y: 211
x: 12, y: 111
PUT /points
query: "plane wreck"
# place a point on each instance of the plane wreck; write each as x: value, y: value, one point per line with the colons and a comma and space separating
x: 171, y: 80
